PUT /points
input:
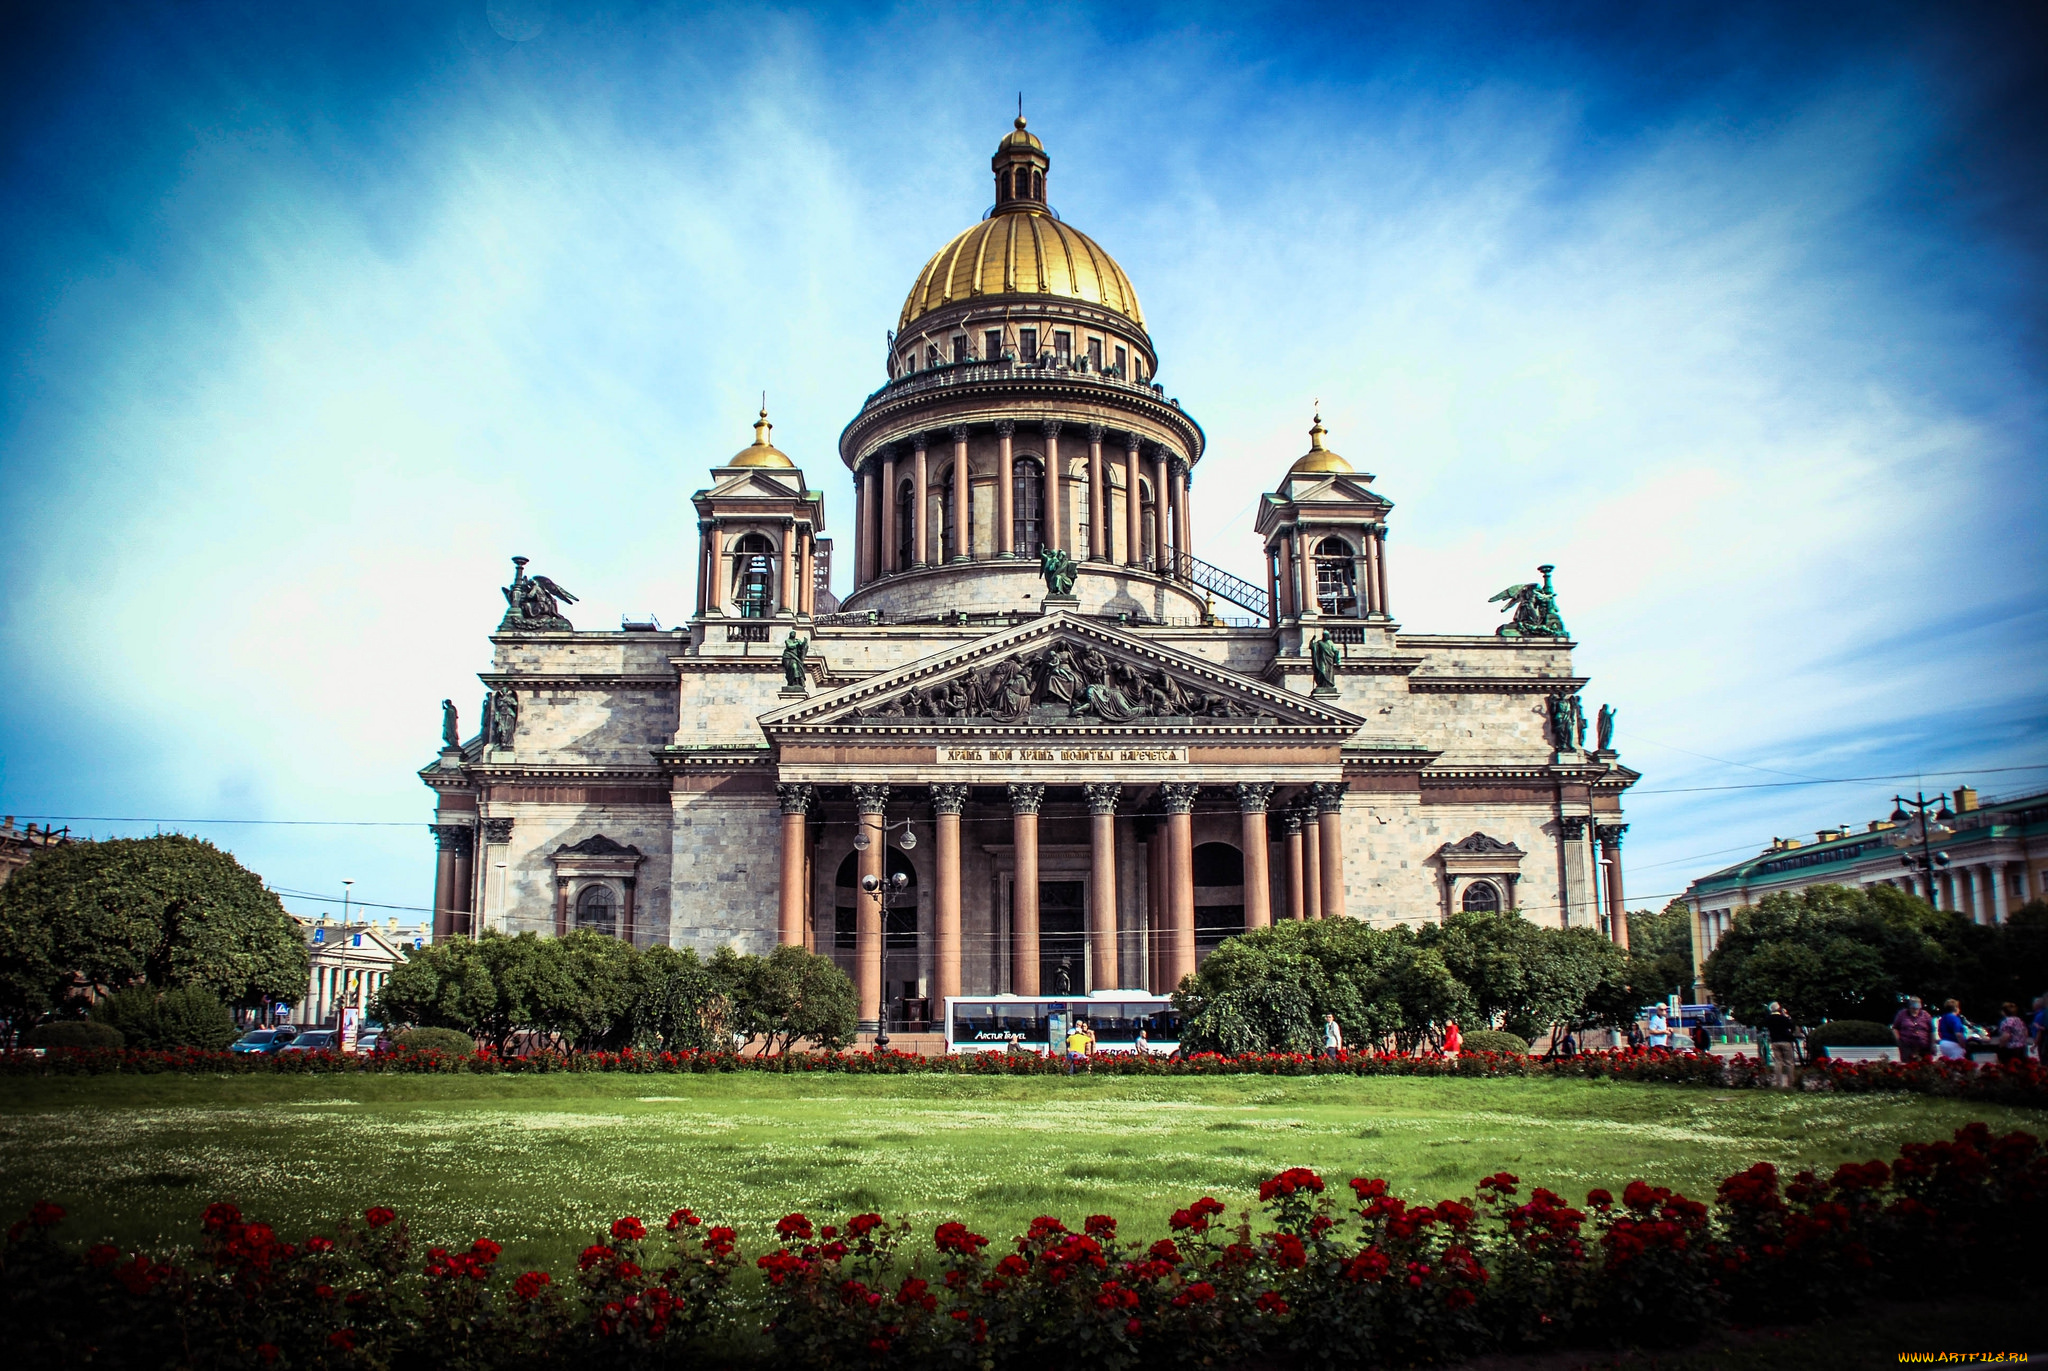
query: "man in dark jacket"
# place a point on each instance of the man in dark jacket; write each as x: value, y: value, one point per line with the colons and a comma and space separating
x: 1781, y: 1041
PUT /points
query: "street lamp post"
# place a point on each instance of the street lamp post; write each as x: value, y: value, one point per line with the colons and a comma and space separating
x: 881, y: 888
x: 1927, y: 860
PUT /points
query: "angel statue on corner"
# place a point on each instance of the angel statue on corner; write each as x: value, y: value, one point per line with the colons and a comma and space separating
x: 534, y: 603
x: 1535, y: 609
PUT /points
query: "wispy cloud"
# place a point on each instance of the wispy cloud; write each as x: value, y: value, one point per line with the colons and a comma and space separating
x: 291, y: 383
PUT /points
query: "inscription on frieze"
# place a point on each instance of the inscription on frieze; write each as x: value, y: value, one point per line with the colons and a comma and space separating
x: 1081, y: 756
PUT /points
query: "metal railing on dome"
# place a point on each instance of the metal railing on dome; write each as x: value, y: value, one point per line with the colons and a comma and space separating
x: 943, y: 374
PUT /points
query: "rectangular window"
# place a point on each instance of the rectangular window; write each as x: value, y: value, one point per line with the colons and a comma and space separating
x: 1094, y: 354
x: 910, y: 361
x: 959, y: 347
x: 1123, y: 361
x: 993, y: 341
x: 1063, y: 347
x: 1027, y: 344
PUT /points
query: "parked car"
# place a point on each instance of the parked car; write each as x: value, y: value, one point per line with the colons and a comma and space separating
x: 314, y: 1040
x: 370, y: 1037
x: 264, y: 1040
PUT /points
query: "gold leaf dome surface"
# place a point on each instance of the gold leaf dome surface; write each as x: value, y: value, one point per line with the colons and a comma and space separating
x: 1318, y: 460
x: 1023, y: 251
x: 761, y: 452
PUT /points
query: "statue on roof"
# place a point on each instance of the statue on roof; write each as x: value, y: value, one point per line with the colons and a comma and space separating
x: 1323, y: 656
x: 451, y: 733
x: 1534, y: 606
x: 533, y: 604
x: 503, y: 721
x: 1605, y: 735
x: 1568, y: 722
x: 794, y: 650
x: 1059, y: 571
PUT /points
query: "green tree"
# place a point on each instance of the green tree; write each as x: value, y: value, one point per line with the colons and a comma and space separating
x: 168, y: 911
x: 1660, y: 945
x: 670, y: 987
x: 799, y: 996
x: 1268, y: 990
x: 490, y: 988
x: 1830, y: 951
x: 162, y: 1020
x: 583, y: 990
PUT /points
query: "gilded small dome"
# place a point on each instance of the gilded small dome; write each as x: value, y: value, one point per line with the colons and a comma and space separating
x: 1018, y: 137
x: 1022, y: 252
x: 761, y: 452
x: 1318, y: 460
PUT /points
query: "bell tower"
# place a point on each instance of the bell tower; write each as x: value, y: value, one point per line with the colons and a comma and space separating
x: 759, y: 524
x: 1325, y: 530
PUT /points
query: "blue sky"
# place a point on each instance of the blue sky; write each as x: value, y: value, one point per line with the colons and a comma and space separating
x: 314, y: 315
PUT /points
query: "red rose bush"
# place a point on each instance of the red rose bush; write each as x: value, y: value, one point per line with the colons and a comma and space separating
x: 1317, y: 1273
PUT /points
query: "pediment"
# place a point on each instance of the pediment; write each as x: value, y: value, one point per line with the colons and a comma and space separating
x: 1063, y: 671
x: 597, y: 846
x: 755, y: 483
x: 1480, y: 845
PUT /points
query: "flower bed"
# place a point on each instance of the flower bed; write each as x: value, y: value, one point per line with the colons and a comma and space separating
x: 1318, y: 1274
x: 2018, y: 1083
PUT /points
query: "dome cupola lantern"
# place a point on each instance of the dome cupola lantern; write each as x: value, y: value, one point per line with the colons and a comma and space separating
x: 1020, y: 165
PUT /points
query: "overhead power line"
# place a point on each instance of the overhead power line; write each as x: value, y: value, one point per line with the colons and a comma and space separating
x: 1843, y: 780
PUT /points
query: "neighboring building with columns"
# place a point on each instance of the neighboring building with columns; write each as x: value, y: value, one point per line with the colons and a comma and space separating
x: 1997, y: 852
x: 1096, y: 786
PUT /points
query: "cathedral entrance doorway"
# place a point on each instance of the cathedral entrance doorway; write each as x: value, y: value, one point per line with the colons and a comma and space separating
x: 1062, y: 938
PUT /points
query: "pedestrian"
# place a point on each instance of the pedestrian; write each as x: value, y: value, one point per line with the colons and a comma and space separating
x: 1660, y: 1028
x: 1951, y: 1033
x: 1636, y: 1040
x: 2012, y: 1035
x: 1702, y: 1041
x: 1781, y: 1041
x: 1913, y: 1026
x: 1454, y: 1041
x: 2040, y: 1026
x: 1333, y: 1036
x: 1077, y: 1045
x: 1144, y: 1041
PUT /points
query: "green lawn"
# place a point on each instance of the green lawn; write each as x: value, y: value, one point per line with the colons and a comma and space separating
x: 540, y: 1162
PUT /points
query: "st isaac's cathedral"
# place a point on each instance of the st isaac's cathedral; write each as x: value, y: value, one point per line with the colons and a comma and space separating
x: 1027, y: 752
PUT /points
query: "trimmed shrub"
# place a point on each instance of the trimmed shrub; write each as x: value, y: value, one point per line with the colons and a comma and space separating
x: 449, y: 1040
x: 1850, y: 1033
x: 1490, y: 1040
x: 75, y: 1033
x: 187, y: 1017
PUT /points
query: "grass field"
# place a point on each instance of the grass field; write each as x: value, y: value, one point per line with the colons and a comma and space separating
x: 540, y: 1162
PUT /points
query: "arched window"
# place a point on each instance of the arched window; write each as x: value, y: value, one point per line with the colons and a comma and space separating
x: 1336, y: 578
x: 1038, y: 185
x: 1023, y: 183
x: 906, y: 523
x: 754, y: 577
x: 595, y: 911
x: 1027, y: 498
x: 1482, y: 897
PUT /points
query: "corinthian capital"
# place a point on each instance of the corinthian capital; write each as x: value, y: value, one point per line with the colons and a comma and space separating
x: 1025, y: 798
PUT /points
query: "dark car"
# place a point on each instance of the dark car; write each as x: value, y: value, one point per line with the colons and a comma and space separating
x: 314, y: 1040
x: 263, y: 1040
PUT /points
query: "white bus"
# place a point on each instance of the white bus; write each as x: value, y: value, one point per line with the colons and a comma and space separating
x: 989, y: 1023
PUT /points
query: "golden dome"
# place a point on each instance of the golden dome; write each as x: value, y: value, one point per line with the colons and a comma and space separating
x: 1019, y: 138
x: 1318, y: 460
x: 761, y: 452
x: 1021, y: 251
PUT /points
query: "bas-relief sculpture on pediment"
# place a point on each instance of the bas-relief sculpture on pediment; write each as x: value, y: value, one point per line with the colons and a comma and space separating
x: 1064, y: 680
